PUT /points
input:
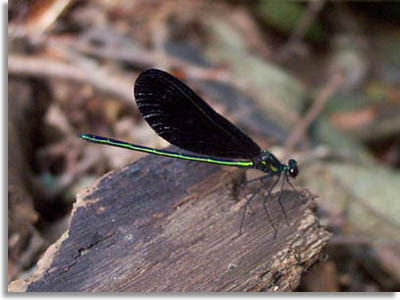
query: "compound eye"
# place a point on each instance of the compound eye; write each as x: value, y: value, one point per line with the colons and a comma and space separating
x: 293, y: 172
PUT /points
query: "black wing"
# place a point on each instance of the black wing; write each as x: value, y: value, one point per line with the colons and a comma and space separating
x: 185, y: 120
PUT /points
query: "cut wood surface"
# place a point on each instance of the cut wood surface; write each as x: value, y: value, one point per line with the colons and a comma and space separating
x: 163, y: 224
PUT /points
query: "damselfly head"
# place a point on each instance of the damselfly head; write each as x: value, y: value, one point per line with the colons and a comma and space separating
x: 293, y: 171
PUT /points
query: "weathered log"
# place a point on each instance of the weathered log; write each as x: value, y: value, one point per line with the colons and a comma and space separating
x: 161, y: 224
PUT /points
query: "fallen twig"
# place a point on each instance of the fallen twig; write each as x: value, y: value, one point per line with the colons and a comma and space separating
x: 317, y: 107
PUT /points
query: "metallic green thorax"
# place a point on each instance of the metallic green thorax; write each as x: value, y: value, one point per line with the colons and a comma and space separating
x: 268, y: 163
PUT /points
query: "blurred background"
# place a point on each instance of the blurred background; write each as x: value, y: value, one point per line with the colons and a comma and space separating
x: 317, y: 81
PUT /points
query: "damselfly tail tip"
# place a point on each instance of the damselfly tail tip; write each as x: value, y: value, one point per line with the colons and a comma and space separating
x: 84, y: 136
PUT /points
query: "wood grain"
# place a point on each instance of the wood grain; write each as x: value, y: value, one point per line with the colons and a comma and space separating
x: 161, y: 224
